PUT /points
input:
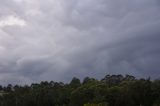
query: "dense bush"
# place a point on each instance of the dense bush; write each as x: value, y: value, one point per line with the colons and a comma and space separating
x: 112, y: 90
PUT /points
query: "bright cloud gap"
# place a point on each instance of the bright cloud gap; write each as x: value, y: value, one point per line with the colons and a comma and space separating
x: 12, y: 21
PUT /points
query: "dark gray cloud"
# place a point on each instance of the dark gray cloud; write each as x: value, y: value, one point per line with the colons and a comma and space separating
x: 59, y: 39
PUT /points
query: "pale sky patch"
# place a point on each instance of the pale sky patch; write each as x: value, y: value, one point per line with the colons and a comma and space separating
x: 12, y: 21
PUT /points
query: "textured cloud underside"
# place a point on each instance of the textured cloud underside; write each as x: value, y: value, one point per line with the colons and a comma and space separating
x: 59, y: 39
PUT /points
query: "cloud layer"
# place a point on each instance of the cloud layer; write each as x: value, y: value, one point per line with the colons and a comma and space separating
x: 59, y: 39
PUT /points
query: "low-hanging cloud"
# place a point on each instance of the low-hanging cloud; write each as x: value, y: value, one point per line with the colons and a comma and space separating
x: 59, y: 39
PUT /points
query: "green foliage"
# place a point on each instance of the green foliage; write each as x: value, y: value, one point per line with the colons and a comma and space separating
x: 112, y: 90
x: 99, y: 104
x: 75, y: 82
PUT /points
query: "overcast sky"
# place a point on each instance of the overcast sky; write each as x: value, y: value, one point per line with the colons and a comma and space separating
x: 59, y: 39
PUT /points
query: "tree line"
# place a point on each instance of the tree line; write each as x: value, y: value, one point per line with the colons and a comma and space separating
x: 112, y: 90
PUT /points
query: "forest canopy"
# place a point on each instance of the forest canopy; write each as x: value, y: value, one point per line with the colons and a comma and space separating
x: 112, y: 90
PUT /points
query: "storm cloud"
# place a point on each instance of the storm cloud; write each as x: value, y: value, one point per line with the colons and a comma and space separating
x: 60, y: 39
